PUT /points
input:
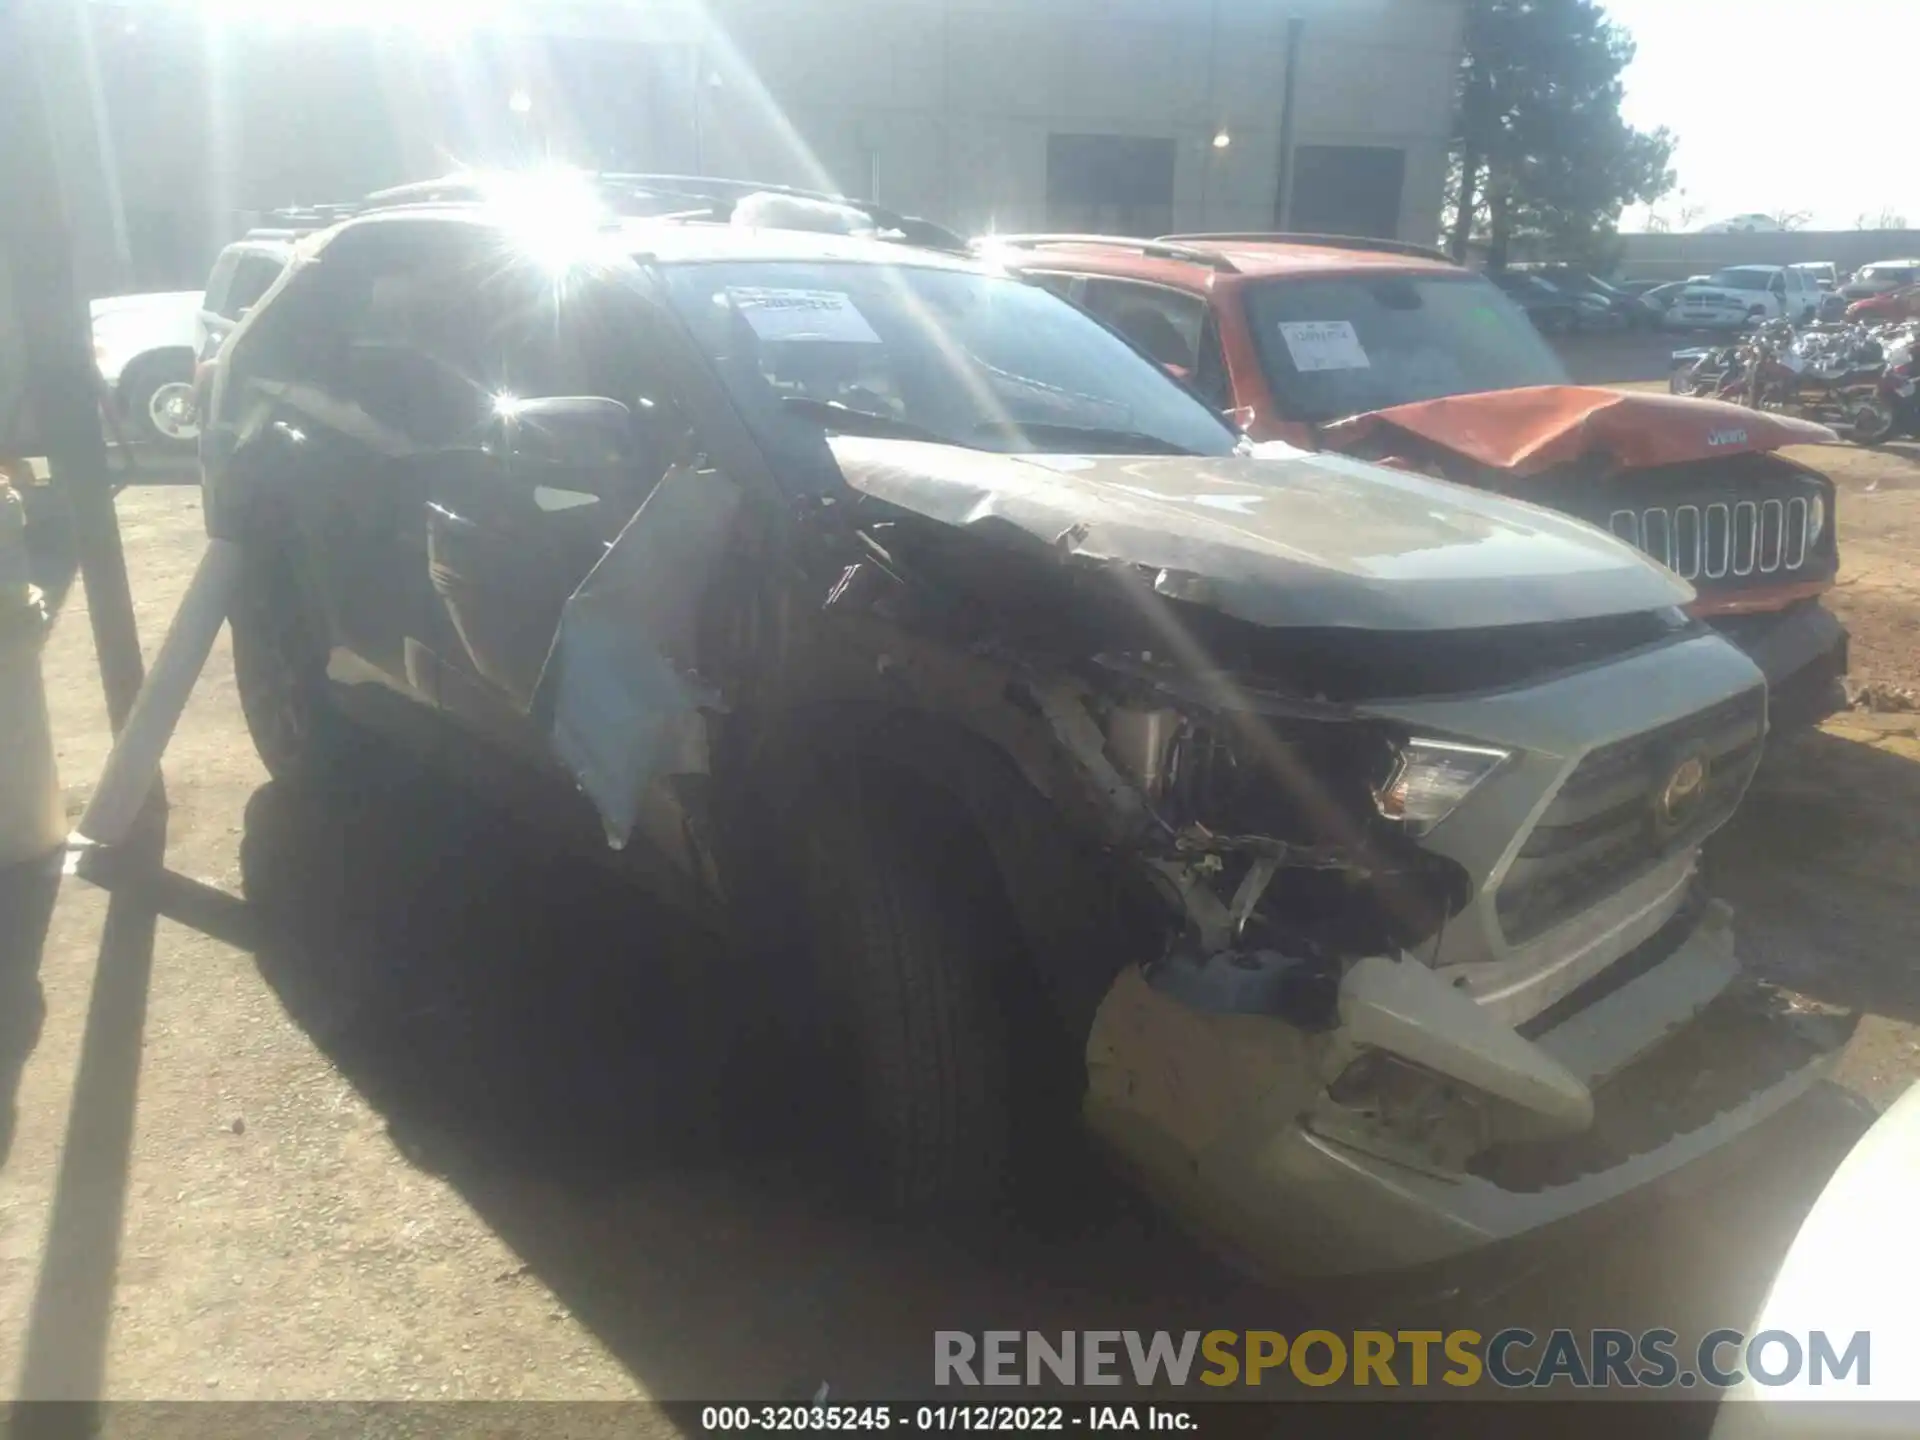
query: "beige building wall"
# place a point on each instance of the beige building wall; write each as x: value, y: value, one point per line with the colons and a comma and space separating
x: 945, y: 107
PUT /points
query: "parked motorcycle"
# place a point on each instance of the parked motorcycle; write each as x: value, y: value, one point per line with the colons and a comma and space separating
x: 1828, y: 374
x: 1704, y: 370
x: 1893, y: 409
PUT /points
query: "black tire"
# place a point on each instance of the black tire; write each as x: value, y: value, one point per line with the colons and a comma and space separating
x: 144, y: 390
x: 279, y: 668
x: 1870, y: 422
x: 908, y: 939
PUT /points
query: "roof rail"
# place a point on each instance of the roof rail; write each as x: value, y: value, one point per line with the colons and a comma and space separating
x: 713, y: 190
x: 1161, y: 249
x: 714, y: 197
x: 1334, y: 242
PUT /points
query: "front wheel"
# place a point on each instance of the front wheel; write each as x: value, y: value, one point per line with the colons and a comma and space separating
x: 909, y: 942
x: 279, y: 668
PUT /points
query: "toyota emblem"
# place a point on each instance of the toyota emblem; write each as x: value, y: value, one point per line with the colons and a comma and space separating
x: 1680, y: 796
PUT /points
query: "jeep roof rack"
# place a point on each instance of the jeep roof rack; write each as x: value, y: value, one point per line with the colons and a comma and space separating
x: 711, y: 197
x: 1165, y: 248
x: 1335, y: 242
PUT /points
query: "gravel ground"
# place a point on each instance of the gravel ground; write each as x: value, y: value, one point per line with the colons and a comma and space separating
x: 418, y: 1126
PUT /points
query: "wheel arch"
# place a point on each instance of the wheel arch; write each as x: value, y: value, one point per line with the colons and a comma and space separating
x: 145, y: 362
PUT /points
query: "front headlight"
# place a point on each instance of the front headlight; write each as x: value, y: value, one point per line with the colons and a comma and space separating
x: 1816, y: 518
x: 1430, y: 778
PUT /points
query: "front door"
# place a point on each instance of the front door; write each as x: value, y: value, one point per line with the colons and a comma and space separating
x: 566, y: 596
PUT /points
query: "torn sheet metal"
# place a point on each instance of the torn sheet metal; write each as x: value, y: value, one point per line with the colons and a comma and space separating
x: 1524, y: 432
x: 618, y: 691
x: 1281, y: 540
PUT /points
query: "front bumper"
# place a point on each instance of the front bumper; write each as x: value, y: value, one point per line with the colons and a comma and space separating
x: 1217, y: 1114
x: 1802, y: 651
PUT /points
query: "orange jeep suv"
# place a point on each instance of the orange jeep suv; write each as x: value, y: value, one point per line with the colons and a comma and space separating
x: 1391, y: 352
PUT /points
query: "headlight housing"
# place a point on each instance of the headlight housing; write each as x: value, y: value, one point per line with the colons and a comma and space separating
x: 1816, y: 518
x: 1430, y: 778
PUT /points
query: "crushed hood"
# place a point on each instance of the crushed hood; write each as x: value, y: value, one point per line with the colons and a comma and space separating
x: 1279, y: 537
x: 1524, y: 432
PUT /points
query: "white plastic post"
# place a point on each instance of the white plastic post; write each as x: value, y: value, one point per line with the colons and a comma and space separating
x: 33, y: 819
x: 127, y: 778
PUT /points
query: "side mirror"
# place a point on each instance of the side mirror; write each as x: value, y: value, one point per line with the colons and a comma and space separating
x: 574, y: 435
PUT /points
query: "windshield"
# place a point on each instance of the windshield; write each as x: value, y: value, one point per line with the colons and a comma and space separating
x: 1347, y: 344
x: 1741, y: 279
x: 950, y: 356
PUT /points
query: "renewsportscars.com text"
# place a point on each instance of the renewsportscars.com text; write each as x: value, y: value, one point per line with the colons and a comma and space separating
x: 1510, y: 1359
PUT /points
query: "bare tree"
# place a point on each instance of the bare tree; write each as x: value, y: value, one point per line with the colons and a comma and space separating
x: 1888, y: 219
x: 1792, y: 219
x: 1690, y: 215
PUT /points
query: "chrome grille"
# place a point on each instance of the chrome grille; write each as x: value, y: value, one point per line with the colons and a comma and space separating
x: 1714, y: 541
x: 1601, y: 830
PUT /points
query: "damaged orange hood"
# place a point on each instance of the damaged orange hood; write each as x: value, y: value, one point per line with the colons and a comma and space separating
x: 1524, y: 432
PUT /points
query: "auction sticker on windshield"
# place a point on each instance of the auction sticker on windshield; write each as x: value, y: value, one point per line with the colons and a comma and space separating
x: 1323, y: 345
x: 826, y: 315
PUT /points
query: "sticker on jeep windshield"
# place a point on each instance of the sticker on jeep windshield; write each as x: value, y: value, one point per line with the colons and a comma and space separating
x: 823, y: 315
x: 1323, y: 345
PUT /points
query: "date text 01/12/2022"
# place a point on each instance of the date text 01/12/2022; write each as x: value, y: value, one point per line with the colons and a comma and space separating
x: 719, y: 1419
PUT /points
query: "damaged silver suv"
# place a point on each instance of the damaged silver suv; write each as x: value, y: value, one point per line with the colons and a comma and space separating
x: 1325, y: 834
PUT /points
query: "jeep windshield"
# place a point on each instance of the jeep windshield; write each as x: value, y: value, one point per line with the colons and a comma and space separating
x: 950, y: 356
x: 1346, y: 344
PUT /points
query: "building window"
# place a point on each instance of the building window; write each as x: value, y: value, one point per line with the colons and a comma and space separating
x: 1347, y: 190
x: 1110, y: 184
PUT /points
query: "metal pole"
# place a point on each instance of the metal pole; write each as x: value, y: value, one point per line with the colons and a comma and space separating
x: 1283, y: 200
x: 109, y: 163
x: 41, y: 54
x: 1208, y: 158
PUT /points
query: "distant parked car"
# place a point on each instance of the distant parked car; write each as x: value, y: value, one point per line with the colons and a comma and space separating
x: 1749, y: 224
x: 1740, y: 295
x: 244, y: 272
x: 1824, y: 273
x: 1833, y: 307
x: 1552, y: 310
x: 1892, y: 305
x: 143, y: 345
x: 1880, y: 277
x: 1659, y: 296
x: 1610, y: 304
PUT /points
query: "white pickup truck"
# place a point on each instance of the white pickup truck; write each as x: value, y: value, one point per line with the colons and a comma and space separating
x: 144, y: 346
x: 1741, y: 295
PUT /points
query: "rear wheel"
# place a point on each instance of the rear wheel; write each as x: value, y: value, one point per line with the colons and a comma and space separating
x: 158, y: 400
x: 909, y: 942
x: 279, y: 668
